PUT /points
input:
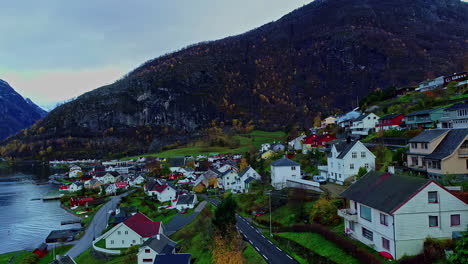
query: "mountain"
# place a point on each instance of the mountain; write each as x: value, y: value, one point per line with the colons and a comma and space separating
x: 16, y: 113
x: 321, y: 57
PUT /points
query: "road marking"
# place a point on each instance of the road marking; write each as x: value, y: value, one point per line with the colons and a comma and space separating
x: 279, y: 248
x: 270, y: 242
x: 289, y: 257
x: 265, y: 257
x: 257, y: 248
x: 250, y: 241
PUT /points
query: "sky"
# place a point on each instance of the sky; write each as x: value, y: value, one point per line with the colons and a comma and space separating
x: 55, y: 50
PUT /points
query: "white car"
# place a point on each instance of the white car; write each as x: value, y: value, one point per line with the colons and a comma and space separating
x: 320, y: 179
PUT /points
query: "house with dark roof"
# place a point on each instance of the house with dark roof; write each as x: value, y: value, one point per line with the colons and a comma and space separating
x: 154, y: 246
x: 282, y: 170
x: 427, y: 118
x: 364, y: 124
x: 439, y: 152
x: 393, y: 121
x: 228, y: 179
x: 345, y: 159
x: 245, y: 178
x: 455, y: 116
x: 183, y: 258
x: 163, y: 192
x: 185, y: 201
x: 133, y: 231
x: 395, y: 213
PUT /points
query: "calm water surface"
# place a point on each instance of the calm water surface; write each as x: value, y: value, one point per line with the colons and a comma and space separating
x: 24, y: 224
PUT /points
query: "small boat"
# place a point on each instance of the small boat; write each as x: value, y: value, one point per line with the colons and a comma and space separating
x: 386, y: 255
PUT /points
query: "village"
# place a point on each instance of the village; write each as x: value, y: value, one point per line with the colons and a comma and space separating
x: 356, y: 188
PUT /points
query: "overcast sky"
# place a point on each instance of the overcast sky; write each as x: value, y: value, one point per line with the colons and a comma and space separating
x: 53, y: 50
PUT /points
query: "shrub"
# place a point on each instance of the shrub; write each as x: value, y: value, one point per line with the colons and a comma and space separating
x: 324, y: 212
x: 30, y: 259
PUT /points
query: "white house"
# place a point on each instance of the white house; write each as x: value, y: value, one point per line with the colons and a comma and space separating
x: 75, y: 171
x: 282, y: 170
x: 111, y: 189
x: 109, y: 177
x: 455, y: 116
x: 364, y: 124
x: 345, y: 159
x: 185, y: 201
x: 431, y: 84
x: 244, y: 179
x: 133, y: 231
x: 159, y: 244
x: 76, y: 186
x: 265, y: 147
x: 135, y: 180
x: 395, y: 213
x: 162, y: 192
x: 296, y: 144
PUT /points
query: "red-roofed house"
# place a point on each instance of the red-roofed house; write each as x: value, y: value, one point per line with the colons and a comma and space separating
x: 133, y: 231
x: 163, y: 192
x: 121, y: 185
x: 314, y: 141
x: 64, y: 187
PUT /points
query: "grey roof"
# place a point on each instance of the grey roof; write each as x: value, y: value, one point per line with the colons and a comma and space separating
x: 361, y: 117
x: 227, y: 172
x: 458, y: 106
x: 172, y: 258
x: 177, y: 161
x: 389, y: 116
x: 161, y: 245
x: 244, y: 171
x: 422, y: 112
x: 345, y: 149
x: 186, y: 199
x: 42, y: 246
x: 283, y: 162
x: 249, y: 180
x: 384, y: 191
x: 428, y: 135
x: 449, y: 144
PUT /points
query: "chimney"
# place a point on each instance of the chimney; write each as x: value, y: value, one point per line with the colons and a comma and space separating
x: 348, y: 139
x: 391, y: 169
x: 158, y: 237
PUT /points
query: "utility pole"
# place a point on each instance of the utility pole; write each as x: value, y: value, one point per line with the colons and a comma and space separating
x: 271, y: 234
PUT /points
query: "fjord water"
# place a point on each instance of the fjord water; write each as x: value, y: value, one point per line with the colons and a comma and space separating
x: 25, y: 223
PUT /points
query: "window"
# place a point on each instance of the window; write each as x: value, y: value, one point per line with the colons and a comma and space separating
x: 432, y: 197
x: 425, y: 146
x: 414, y: 145
x: 383, y: 219
x: 112, y: 242
x: 414, y: 161
x: 455, y: 220
x: 148, y: 260
x: 133, y: 242
x: 351, y: 166
x: 366, y: 213
x: 367, y: 234
x: 118, y: 232
x: 363, y: 154
x: 351, y: 226
x: 433, y: 221
x: 366, y: 165
x: 385, y: 243
x: 354, y: 155
x: 126, y: 232
x: 123, y: 242
x: 147, y: 251
x: 293, y: 168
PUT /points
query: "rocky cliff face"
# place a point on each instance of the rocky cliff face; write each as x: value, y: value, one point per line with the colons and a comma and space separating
x: 16, y: 112
x: 318, y: 58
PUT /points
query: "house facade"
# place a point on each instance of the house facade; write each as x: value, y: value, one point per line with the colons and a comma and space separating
x: 455, y: 116
x: 364, y: 124
x: 439, y: 152
x: 228, y: 179
x: 428, y: 118
x: 151, y: 248
x: 431, y: 84
x: 346, y: 158
x: 328, y: 121
x: 395, y: 214
x: 282, y: 170
x: 244, y: 179
x: 388, y: 122
x: 186, y: 201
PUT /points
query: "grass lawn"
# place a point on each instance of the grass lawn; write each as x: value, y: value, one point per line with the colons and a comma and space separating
x: 285, y: 216
x: 19, y: 255
x: 252, y: 256
x: 52, y: 253
x: 254, y: 138
x: 86, y: 258
x: 321, y: 246
x: 289, y: 252
x: 149, y: 207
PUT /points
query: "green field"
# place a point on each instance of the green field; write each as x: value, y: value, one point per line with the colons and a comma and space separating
x: 87, y: 258
x: 321, y: 246
x: 255, y: 139
x: 20, y: 255
x: 251, y: 256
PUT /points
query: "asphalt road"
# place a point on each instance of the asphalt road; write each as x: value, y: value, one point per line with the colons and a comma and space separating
x: 98, y: 224
x: 181, y: 220
x: 269, y: 251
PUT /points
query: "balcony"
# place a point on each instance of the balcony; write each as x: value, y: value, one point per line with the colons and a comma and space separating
x: 463, y: 152
x: 348, y: 214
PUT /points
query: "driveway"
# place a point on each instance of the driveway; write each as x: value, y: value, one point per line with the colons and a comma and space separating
x: 98, y: 224
x: 269, y: 251
x: 181, y: 220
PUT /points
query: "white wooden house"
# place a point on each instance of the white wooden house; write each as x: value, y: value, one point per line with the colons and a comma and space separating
x: 345, y: 159
x: 364, y: 124
x: 283, y: 170
x: 75, y: 171
x: 244, y: 179
x: 157, y: 245
x: 395, y: 214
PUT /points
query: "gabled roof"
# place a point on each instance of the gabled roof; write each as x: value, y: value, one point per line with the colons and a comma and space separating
x: 422, y: 112
x: 142, y: 225
x: 186, y: 199
x: 458, y: 106
x: 42, y: 247
x: 244, y: 171
x: 160, y: 188
x: 361, y: 117
x: 449, y: 144
x: 249, y: 180
x: 177, y: 161
x: 345, y: 148
x: 428, y: 135
x: 172, y: 258
x: 229, y: 171
x: 389, y: 116
x: 283, y: 162
x: 161, y: 245
x: 384, y: 191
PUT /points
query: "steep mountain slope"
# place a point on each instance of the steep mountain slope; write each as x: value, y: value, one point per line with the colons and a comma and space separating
x: 318, y: 58
x: 16, y: 112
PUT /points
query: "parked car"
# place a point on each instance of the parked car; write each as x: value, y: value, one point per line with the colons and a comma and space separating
x: 320, y: 179
x: 184, y: 211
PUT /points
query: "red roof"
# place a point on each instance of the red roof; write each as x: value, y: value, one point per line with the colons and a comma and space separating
x: 121, y: 185
x: 142, y: 225
x: 160, y: 188
x: 64, y: 187
x: 309, y: 139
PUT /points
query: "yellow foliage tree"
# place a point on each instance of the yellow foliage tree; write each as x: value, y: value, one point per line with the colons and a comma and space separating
x: 243, y: 164
x: 228, y: 249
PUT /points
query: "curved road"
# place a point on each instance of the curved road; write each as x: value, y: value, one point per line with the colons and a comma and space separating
x: 269, y: 251
x: 98, y: 224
